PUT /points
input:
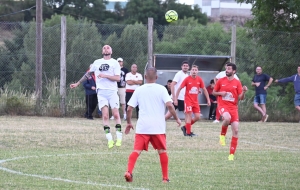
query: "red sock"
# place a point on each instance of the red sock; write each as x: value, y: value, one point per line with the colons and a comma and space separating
x: 193, y: 122
x: 131, y: 161
x: 164, y: 160
x: 234, y: 142
x: 188, y: 127
x: 224, y: 130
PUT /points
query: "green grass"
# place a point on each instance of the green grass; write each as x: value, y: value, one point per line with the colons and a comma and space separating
x: 72, y: 153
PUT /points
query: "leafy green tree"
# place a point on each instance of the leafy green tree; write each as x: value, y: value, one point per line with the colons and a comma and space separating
x: 280, y: 15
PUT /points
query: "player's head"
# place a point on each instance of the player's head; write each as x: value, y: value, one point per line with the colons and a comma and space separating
x: 185, y: 66
x: 120, y: 60
x: 106, y: 50
x: 258, y: 70
x: 133, y: 68
x: 230, y: 69
x: 151, y: 74
x: 194, y: 70
x: 169, y: 83
x: 212, y: 83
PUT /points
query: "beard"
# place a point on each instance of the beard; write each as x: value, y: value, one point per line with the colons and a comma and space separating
x: 229, y: 74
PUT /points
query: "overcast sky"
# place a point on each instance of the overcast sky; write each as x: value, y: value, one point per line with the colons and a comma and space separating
x: 188, y: 2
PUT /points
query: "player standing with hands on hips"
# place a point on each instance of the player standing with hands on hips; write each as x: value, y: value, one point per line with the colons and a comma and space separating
x: 107, y: 71
x: 152, y: 99
x: 228, y: 91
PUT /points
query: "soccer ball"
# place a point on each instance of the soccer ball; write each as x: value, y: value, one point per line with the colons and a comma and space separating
x: 171, y: 16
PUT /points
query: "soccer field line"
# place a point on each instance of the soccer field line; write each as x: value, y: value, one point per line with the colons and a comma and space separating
x: 61, y: 179
x: 272, y: 146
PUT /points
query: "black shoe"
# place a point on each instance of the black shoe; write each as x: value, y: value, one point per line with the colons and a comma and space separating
x: 191, y: 135
x: 91, y: 118
x: 183, y: 129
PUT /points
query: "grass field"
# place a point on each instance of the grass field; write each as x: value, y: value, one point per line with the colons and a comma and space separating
x: 71, y: 153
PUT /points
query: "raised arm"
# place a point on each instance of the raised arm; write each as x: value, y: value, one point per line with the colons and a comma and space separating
x: 83, y: 78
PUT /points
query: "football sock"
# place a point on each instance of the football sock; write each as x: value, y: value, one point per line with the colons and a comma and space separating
x: 131, y: 161
x: 107, y: 133
x: 217, y: 115
x: 193, y: 122
x: 224, y: 130
x: 234, y: 141
x: 164, y: 160
x: 119, y: 131
x: 188, y: 128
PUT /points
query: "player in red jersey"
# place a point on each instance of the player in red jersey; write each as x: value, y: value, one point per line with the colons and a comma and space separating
x: 228, y: 91
x: 192, y: 85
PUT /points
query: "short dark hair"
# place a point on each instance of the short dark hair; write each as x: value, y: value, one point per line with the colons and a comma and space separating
x: 212, y: 81
x: 169, y: 80
x: 185, y: 62
x: 231, y: 65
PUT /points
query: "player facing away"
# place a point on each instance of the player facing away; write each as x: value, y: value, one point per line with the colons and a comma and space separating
x: 107, y: 71
x: 192, y: 85
x: 228, y: 91
x: 152, y: 99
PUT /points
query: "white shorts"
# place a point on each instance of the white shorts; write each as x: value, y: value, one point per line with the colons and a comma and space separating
x: 122, y: 93
x: 108, y: 98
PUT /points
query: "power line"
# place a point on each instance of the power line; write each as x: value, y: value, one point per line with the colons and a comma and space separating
x: 17, y: 12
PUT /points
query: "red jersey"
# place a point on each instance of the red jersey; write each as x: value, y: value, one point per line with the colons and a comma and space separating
x: 233, y: 88
x: 192, y: 90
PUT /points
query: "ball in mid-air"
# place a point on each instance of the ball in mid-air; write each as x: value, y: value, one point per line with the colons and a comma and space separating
x: 171, y: 16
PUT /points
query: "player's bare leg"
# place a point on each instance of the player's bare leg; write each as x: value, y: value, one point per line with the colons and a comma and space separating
x: 265, y: 117
x: 256, y: 106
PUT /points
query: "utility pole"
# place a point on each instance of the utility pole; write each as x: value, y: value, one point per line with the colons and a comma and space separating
x: 233, y: 43
x: 63, y: 69
x: 39, y: 53
x: 150, y: 42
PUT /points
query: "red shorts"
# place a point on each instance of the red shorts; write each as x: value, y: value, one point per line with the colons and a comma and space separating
x: 232, y: 111
x: 158, y: 142
x: 191, y: 107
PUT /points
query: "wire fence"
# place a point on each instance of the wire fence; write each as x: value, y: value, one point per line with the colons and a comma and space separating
x: 276, y: 52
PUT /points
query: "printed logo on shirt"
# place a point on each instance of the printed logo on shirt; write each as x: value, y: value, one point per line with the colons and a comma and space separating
x: 234, y: 86
x: 104, y: 67
x: 228, y: 97
x: 223, y: 85
x: 194, y: 90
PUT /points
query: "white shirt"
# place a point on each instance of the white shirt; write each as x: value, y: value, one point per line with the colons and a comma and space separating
x: 135, y: 77
x: 222, y: 74
x: 179, y: 77
x: 151, y: 99
x: 108, y: 67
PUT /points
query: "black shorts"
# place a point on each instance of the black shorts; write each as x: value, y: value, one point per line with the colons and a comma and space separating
x: 180, y: 106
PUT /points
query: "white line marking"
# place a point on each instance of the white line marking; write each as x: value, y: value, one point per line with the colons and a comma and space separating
x: 272, y: 146
x: 61, y: 179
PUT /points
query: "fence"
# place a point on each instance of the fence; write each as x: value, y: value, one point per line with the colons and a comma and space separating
x: 276, y: 52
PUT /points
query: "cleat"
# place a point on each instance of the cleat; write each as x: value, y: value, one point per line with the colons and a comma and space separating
x: 231, y: 157
x: 128, y: 177
x: 265, y: 118
x: 191, y: 135
x: 216, y: 121
x: 166, y: 181
x: 119, y: 142
x: 222, y: 140
x: 110, y: 144
x: 183, y: 129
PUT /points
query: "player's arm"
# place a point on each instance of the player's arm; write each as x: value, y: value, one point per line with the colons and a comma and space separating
x: 206, y: 95
x: 269, y: 83
x: 216, y: 90
x: 177, y: 94
x: 171, y: 109
x: 128, y: 119
x: 85, y: 77
x: 112, y: 78
x: 242, y: 95
x: 173, y: 89
x: 215, y: 80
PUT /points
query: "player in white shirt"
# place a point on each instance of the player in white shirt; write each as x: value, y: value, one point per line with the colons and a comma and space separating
x: 133, y: 81
x: 107, y: 71
x: 151, y: 125
x: 220, y: 75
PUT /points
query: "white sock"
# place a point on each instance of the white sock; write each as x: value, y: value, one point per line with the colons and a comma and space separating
x: 109, y: 136
x: 125, y: 116
x: 119, y: 135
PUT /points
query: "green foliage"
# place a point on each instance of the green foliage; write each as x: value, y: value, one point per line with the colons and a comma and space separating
x: 279, y: 15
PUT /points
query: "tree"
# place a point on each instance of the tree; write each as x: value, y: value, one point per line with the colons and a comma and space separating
x: 279, y: 15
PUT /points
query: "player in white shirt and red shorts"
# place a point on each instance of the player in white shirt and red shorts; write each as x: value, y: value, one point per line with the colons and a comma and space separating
x: 152, y: 99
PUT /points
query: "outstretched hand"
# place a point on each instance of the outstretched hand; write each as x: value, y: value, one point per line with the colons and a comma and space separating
x: 128, y: 127
x: 245, y: 88
x: 178, y: 121
x: 74, y: 85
